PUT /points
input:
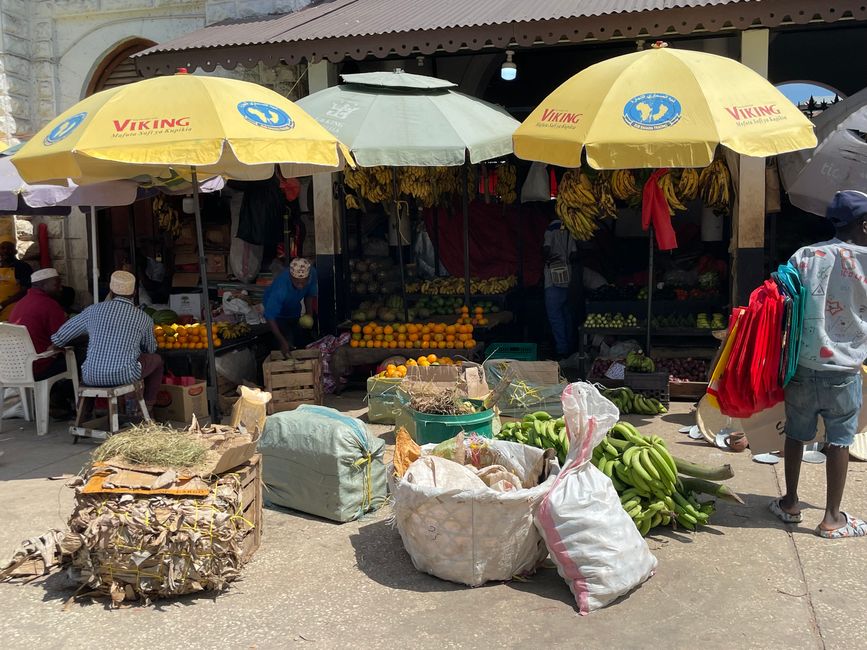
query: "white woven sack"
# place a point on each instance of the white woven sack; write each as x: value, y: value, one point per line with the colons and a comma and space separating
x: 594, y: 543
x: 473, y: 536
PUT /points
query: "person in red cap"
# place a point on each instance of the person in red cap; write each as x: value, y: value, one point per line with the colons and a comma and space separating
x: 828, y: 378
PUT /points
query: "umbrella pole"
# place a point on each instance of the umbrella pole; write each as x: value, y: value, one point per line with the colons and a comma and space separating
x: 649, y: 290
x: 466, y: 209
x: 399, y: 244
x: 206, y: 303
x: 94, y: 261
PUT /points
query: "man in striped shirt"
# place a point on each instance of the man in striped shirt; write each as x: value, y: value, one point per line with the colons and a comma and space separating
x: 121, y: 346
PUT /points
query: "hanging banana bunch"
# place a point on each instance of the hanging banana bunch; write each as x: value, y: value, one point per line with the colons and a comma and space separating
x: 624, y: 185
x: 507, y: 181
x: 167, y: 217
x: 370, y: 183
x: 714, y: 185
x: 667, y: 184
x: 687, y: 186
x: 577, y: 206
x: 602, y: 190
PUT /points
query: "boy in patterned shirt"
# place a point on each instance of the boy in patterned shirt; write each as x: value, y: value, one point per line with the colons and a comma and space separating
x: 828, y: 379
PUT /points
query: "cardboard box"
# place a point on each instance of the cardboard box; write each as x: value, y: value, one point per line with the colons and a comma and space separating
x: 185, y: 280
x: 186, y: 258
x: 544, y: 377
x: 218, y: 236
x: 215, y: 263
x: 181, y: 403
x: 469, y: 377
x: 186, y: 304
x: 187, y: 236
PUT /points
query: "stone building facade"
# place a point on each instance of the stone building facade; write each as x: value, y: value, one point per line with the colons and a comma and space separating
x: 50, y: 52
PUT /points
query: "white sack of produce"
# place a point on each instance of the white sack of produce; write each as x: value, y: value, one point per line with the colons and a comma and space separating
x: 322, y: 462
x: 473, y: 536
x: 593, y: 542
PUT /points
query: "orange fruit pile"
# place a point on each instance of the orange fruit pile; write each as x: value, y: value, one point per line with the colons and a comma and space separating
x: 433, y: 336
x: 185, y: 337
x: 393, y: 371
x: 478, y: 318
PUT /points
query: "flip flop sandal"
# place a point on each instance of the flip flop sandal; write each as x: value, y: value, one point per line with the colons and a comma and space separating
x: 853, y: 528
x: 786, y: 517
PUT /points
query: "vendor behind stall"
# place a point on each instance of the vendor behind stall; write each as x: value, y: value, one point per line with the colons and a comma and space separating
x: 282, y: 302
x: 560, y: 252
x: 14, y: 279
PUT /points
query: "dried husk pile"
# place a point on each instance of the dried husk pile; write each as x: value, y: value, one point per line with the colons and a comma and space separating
x: 146, y: 547
x: 151, y: 519
x: 136, y: 545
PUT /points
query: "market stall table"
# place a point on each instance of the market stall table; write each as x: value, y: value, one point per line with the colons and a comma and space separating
x: 196, y: 359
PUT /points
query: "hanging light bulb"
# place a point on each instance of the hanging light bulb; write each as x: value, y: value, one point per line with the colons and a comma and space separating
x: 508, y: 71
x: 188, y: 205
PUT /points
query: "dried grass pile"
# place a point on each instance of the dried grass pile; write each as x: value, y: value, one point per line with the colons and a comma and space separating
x: 436, y: 400
x: 154, y: 445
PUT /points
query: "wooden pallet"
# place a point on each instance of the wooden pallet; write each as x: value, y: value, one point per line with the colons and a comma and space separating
x: 293, y: 381
x: 251, y: 503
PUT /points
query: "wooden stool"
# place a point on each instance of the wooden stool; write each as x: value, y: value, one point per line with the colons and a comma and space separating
x: 112, y: 394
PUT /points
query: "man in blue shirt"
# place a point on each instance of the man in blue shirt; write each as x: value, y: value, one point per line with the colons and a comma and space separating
x: 283, y: 303
x: 121, y: 346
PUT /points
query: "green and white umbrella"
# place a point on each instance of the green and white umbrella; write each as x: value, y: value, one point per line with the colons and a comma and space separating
x: 396, y: 119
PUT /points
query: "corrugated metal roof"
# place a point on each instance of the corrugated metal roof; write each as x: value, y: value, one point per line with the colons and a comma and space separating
x: 359, y: 18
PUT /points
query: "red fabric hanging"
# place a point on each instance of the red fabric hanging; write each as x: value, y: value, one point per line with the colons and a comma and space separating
x: 555, y: 191
x: 494, y: 246
x: 44, y: 253
x: 654, y: 208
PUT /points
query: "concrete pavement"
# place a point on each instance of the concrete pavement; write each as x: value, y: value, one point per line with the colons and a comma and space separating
x: 745, y: 582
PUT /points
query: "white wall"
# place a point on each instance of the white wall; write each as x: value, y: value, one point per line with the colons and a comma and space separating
x: 50, y: 49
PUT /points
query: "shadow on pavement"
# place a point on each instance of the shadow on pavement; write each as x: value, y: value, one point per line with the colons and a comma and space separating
x: 380, y: 555
x: 679, y: 419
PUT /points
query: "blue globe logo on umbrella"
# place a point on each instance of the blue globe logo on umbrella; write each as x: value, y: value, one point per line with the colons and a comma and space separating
x: 266, y: 115
x: 652, y: 111
x: 65, y: 128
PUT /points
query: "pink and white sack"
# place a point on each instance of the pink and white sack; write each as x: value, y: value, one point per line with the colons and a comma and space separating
x: 594, y: 543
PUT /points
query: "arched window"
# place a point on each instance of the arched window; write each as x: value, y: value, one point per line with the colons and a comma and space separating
x: 117, y: 68
x: 812, y: 97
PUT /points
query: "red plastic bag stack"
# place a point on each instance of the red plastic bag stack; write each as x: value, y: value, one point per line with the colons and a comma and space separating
x: 751, y: 380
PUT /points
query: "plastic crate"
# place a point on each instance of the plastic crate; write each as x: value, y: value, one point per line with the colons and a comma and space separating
x: 649, y: 384
x: 516, y: 351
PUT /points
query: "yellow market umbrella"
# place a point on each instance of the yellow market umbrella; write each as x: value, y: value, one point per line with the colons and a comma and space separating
x: 661, y: 107
x: 219, y: 126
x: 181, y: 124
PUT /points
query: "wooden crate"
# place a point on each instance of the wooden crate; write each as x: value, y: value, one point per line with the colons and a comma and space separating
x: 293, y: 381
x: 687, y: 391
x: 251, y: 503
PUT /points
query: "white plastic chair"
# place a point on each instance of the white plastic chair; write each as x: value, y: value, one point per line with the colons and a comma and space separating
x: 17, y: 355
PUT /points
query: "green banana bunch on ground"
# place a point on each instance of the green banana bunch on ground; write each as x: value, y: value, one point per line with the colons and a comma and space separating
x: 538, y: 429
x: 646, y: 477
x: 628, y: 401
